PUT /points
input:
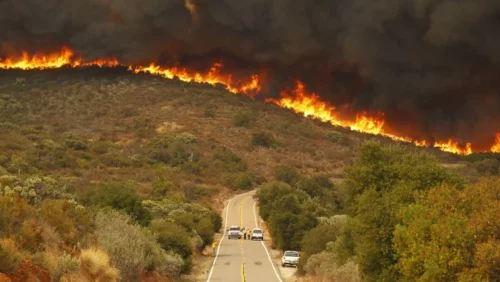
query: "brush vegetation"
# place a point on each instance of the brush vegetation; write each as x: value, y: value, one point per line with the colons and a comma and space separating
x: 106, y: 175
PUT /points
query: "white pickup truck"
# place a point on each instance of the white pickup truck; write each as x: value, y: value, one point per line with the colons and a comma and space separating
x: 234, y: 232
x: 257, y: 234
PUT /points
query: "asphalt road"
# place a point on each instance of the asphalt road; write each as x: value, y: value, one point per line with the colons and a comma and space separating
x: 242, y: 260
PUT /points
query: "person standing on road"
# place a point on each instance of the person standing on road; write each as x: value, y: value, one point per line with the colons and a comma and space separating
x: 248, y: 233
x: 214, y: 248
x: 244, y: 234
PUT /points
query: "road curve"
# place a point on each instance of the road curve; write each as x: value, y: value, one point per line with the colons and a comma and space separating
x: 242, y: 260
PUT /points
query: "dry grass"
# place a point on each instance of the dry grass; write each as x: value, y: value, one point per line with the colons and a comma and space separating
x: 95, y: 265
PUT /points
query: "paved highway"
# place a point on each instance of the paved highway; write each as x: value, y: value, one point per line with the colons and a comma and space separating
x: 242, y: 260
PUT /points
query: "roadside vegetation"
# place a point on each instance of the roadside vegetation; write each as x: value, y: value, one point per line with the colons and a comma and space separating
x: 106, y: 175
x: 403, y: 217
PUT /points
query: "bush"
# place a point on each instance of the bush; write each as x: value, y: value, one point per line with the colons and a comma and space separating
x: 288, y: 212
x: 95, y: 265
x: 337, y: 138
x: 119, y: 196
x: 14, y: 211
x: 287, y: 174
x: 242, y: 119
x: 316, y: 240
x: 66, y: 264
x: 73, y: 141
x: 243, y: 181
x: 10, y: 258
x: 263, y: 139
x: 71, y: 221
x: 487, y: 167
x: 226, y: 160
x: 125, y: 242
x: 173, y: 238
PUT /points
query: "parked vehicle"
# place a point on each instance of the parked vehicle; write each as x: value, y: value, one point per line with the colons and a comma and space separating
x: 290, y: 258
x: 234, y: 232
x: 257, y: 234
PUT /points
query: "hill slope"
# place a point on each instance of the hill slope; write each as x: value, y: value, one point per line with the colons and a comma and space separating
x: 83, y: 136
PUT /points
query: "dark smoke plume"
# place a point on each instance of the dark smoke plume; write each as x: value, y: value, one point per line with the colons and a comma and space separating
x: 431, y: 65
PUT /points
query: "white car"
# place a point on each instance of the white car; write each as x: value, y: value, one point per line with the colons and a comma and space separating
x: 234, y: 232
x: 257, y: 234
x: 290, y: 258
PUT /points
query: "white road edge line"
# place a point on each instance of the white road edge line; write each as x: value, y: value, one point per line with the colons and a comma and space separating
x: 223, y: 235
x: 264, y: 246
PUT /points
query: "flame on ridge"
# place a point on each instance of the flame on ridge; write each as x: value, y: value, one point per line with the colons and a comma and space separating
x: 213, y: 77
x: 297, y: 99
x: 66, y: 57
x: 310, y: 105
x: 496, y: 147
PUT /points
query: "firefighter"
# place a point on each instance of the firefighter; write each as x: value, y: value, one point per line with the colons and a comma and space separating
x: 214, y: 247
x: 248, y: 234
x: 244, y: 234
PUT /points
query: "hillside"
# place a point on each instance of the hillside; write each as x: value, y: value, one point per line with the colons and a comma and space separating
x: 74, y: 139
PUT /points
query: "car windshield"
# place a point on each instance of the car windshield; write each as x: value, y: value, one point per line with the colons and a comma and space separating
x: 234, y: 229
x: 291, y: 254
x: 257, y: 231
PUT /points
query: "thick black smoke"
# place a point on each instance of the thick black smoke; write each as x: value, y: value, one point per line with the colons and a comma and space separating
x: 431, y: 65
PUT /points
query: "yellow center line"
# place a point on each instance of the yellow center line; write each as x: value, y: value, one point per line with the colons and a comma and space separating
x: 243, y: 279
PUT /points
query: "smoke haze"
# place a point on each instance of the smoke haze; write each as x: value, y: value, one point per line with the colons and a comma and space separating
x: 432, y: 66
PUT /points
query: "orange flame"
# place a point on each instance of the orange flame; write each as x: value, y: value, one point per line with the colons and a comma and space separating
x: 308, y: 104
x: 52, y: 61
x: 453, y: 147
x: 212, y: 77
x: 496, y: 147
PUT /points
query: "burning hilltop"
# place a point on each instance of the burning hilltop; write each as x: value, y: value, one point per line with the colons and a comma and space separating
x: 297, y: 98
x: 424, y: 72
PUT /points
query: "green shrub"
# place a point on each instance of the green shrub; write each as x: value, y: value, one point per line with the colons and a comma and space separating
x: 337, y: 138
x: 66, y: 264
x: 243, y: 119
x: 10, y: 258
x: 263, y: 139
x: 243, y: 181
x: 227, y: 161
x: 315, y: 241
x: 487, y: 167
x: 173, y: 149
x: 205, y: 228
x: 73, y: 141
x: 174, y: 238
x: 288, y: 212
x: 119, y: 196
x: 124, y: 241
x: 288, y: 174
x: 14, y: 211
x: 115, y: 159
x: 71, y: 221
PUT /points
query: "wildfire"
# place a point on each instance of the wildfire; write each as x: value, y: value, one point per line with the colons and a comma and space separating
x: 310, y: 105
x: 213, y: 77
x: 66, y: 57
x: 297, y: 99
x: 496, y: 147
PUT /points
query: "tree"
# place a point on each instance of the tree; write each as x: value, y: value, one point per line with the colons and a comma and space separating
x: 451, y: 234
x: 288, y: 213
x: 380, y: 182
x: 119, y: 196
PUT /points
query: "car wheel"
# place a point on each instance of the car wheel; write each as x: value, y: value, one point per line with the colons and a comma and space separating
x: 283, y: 265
